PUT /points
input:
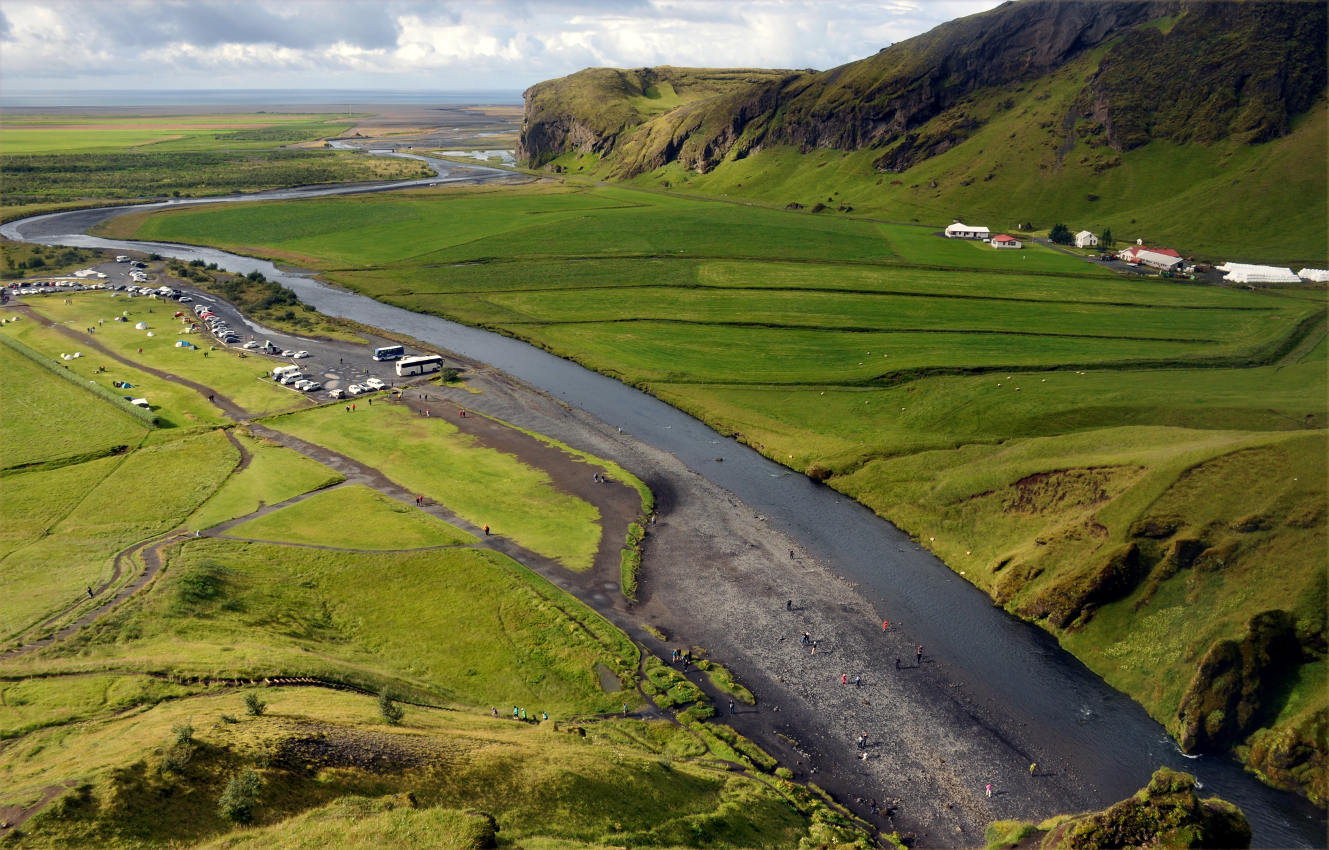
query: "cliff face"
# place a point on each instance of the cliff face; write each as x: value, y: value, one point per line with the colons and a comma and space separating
x: 1182, y: 70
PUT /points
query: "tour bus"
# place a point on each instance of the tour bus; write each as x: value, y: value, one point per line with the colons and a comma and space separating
x: 390, y: 352
x: 419, y: 365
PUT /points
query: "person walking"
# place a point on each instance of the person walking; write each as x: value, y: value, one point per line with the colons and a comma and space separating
x: 1033, y: 768
x: 988, y: 788
x: 486, y: 531
x: 844, y: 678
x: 918, y: 656
x: 89, y: 591
x: 731, y: 705
x: 807, y: 638
x: 858, y: 681
x: 516, y: 712
x: 789, y: 605
x: 885, y: 625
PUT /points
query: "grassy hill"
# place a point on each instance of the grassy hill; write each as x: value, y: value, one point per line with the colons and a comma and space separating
x: 1188, y: 125
x: 1118, y: 459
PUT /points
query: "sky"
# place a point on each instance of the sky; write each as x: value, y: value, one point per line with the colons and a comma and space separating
x: 70, y: 45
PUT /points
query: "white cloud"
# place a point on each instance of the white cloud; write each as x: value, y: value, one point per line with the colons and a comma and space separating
x: 411, y: 44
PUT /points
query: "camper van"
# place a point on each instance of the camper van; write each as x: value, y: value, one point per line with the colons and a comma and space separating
x: 279, y: 371
x: 419, y: 365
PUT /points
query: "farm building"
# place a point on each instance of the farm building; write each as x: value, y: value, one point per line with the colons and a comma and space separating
x: 1002, y: 240
x: 1247, y: 273
x: 1314, y: 275
x: 1158, y: 258
x: 959, y: 230
x: 1085, y: 239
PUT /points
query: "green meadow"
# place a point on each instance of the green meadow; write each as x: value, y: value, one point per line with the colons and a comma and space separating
x: 378, y: 523
x: 428, y: 455
x: 1023, y: 413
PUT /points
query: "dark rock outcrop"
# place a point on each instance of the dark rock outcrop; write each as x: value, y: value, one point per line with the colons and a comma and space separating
x: 1166, y: 813
x: 1229, y: 696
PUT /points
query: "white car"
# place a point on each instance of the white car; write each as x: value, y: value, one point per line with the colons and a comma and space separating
x: 337, y: 393
x: 286, y: 352
x: 313, y: 387
x: 251, y: 345
x: 374, y: 384
x: 290, y: 378
x: 354, y: 389
x: 300, y: 355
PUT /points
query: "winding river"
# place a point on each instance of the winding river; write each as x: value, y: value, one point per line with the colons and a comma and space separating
x: 997, y: 656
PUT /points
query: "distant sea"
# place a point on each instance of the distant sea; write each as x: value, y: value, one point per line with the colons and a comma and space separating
x: 253, y: 97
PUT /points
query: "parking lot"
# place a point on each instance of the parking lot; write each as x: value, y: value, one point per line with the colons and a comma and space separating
x: 336, y: 365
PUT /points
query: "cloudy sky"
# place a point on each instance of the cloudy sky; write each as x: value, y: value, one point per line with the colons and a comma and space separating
x: 66, y: 45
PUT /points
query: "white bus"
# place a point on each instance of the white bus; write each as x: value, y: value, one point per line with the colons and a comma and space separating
x: 390, y: 352
x: 419, y: 365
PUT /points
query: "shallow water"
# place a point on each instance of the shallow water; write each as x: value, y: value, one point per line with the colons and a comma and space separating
x: 999, y: 658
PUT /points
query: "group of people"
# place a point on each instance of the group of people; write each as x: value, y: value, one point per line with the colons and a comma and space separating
x: 519, y: 713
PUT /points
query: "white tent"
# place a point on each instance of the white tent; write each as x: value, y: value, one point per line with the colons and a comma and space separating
x: 1248, y: 273
x: 141, y: 326
x: 1314, y: 275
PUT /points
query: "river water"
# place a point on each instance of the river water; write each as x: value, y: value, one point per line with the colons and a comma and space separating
x: 999, y: 658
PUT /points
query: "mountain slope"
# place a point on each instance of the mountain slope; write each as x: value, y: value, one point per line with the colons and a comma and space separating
x: 1100, y: 112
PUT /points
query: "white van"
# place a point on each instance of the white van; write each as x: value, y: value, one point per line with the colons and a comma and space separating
x: 281, y: 371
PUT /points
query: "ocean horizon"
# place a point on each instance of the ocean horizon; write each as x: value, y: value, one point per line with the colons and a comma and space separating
x: 253, y: 97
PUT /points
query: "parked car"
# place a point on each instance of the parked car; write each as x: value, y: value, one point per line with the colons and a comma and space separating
x: 290, y: 378
x: 374, y: 384
x: 302, y: 385
x: 251, y: 345
x: 300, y: 355
x: 337, y: 393
x: 313, y: 386
x: 354, y: 389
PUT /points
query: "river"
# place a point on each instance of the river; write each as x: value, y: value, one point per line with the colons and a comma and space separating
x: 997, y: 656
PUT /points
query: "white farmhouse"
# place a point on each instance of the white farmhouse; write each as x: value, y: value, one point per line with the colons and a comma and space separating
x: 1085, y: 239
x: 959, y: 230
x: 1314, y: 275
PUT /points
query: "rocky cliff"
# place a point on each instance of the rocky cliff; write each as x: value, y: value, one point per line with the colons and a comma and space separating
x: 1182, y: 70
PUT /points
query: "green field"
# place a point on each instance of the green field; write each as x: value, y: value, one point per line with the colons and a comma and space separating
x: 274, y: 475
x: 378, y: 523
x: 485, y: 487
x: 32, y: 399
x: 77, y: 158
x: 1021, y: 412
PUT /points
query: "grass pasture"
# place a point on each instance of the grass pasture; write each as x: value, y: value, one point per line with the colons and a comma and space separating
x: 274, y: 474
x: 485, y: 487
x: 353, y: 517
x: 1020, y: 410
x: 34, y: 400
x: 71, y: 541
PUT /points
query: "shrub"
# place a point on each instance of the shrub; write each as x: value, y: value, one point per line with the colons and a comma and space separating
x: 449, y: 375
x: 391, y: 712
x: 184, y: 733
x: 254, y: 705
x: 237, y: 800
